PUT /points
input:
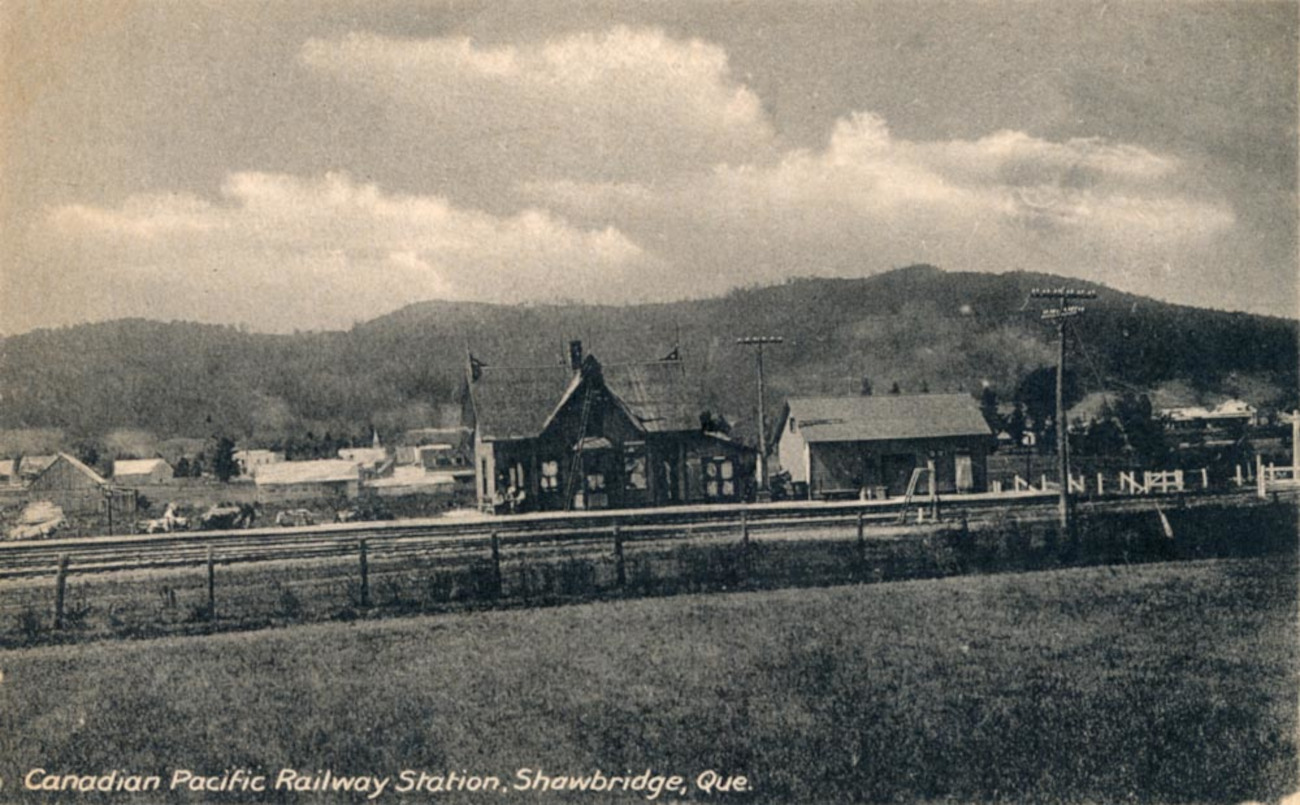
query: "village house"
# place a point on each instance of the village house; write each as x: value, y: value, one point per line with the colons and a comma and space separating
x: 851, y: 446
x: 435, y: 448
x: 588, y: 436
x: 372, y: 460
x: 77, y: 489
x: 250, y: 460
x: 141, y: 472
x: 1229, y: 413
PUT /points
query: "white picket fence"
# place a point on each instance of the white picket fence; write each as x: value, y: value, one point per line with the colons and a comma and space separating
x: 1159, y: 482
x: 1271, y: 478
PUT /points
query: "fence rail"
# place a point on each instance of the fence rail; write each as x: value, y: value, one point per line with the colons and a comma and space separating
x: 190, y: 549
x: 234, y: 585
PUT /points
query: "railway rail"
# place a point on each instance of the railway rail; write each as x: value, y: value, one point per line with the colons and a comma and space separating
x: 449, y: 536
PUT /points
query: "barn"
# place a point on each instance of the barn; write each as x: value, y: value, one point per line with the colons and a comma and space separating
x: 593, y: 436
x: 78, y: 489
x: 850, y: 446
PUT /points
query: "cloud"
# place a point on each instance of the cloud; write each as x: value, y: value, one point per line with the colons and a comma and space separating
x: 329, y: 251
x: 625, y: 103
x: 869, y: 201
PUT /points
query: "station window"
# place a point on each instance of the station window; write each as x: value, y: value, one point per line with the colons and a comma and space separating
x: 634, y: 467
x: 550, y: 480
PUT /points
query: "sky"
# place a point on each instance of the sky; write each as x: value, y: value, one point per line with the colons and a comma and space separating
x: 308, y: 165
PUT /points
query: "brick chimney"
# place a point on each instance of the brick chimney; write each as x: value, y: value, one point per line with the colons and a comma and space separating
x: 575, y: 355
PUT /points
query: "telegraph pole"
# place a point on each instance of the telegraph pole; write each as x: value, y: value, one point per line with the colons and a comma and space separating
x: 758, y: 341
x: 1060, y: 315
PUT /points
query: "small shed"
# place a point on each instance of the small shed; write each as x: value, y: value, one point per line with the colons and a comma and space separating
x: 872, y: 444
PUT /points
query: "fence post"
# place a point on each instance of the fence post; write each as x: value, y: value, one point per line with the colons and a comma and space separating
x: 496, y: 565
x: 745, y: 559
x: 620, y: 568
x: 365, y: 573
x: 1101, y: 490
x: 1238, y: 477
x: 212, y: 587
x: 862, y: 542
x: 1205, y: 478
x: 60, y: 587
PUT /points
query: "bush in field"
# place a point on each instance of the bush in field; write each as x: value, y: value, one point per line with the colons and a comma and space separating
x: 388, y: 593
x: 288, y: 604
x: 438, y: 588
x: 479, y: 583
x: 576, y: 577
x: 709, y: 567
x: 29, y: 624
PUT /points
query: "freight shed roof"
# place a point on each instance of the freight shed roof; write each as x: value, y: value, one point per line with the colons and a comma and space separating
x: 865, y: 419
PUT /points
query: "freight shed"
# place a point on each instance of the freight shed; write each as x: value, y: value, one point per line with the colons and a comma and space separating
x: 871, y: 445
x: 587, y: 436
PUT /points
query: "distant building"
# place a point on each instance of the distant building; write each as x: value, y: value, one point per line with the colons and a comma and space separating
x: 250, y: 460
x: 77, y: 489
x: 141, y: 472
x: 415, y: 481
x: 327, y: 479
x: 1229, y: 413
x: 587, y: 436
x: 370, y: 459
x: 9, y: 472
x: 845, y: 445
x: 435, y: 448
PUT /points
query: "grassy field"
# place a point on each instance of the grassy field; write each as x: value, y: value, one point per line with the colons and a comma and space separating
x: 1149, y: 683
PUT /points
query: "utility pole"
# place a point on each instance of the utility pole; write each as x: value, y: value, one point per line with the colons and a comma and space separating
x: 1060, y: 315
x: 757, y: 341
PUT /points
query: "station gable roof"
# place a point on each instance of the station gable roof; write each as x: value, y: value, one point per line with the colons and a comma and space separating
x: 518, y: 402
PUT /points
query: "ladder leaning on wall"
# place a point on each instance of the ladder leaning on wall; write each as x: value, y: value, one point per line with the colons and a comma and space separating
x: 575, y: 469
x: 917, y: 474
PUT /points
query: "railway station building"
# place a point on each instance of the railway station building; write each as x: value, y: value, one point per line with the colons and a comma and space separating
x: 869, y: 446
x: 591, y: 436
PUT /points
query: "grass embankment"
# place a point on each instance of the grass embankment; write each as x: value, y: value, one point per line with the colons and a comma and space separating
x: 1164, y: 682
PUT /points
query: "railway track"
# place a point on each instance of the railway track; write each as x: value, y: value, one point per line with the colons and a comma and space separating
x: 449, y: 537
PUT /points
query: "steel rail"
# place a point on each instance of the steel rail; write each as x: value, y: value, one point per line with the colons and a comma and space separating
x: 145, y: 552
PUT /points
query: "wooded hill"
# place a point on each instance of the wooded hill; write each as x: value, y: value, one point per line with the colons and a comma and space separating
x: 919, y: 327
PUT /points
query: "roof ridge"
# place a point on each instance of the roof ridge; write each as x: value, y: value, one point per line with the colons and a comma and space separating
x: 79, y: 466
